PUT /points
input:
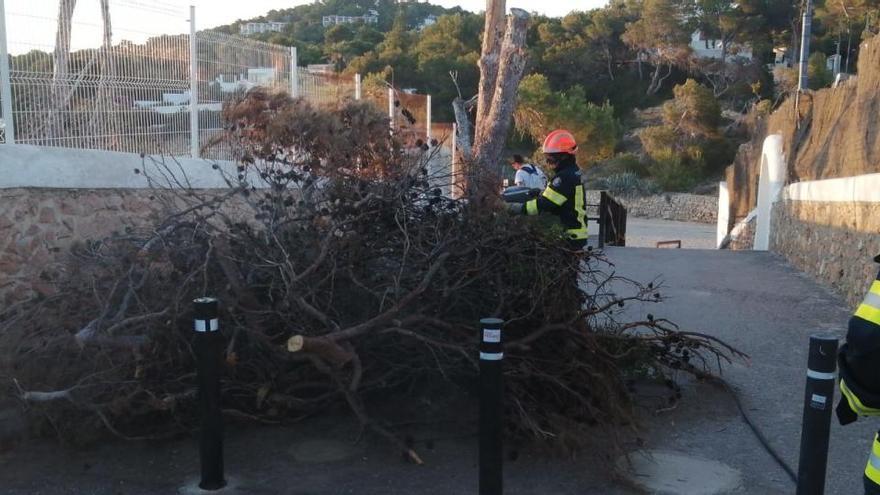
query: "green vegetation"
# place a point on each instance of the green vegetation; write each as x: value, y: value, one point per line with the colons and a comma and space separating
x: 688, y: 146
x: 817, y: 71
x: 629, y: 184
x: 589, y: 70
x: 540, y: 110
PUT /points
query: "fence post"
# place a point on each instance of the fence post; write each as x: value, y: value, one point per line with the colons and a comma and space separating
x: 453, y: 171
x: 491, y: 406
x: 603, y: 218
x: 208, y: 347
x: 391, y: 106
x: 429, y: 118
x: 5, y: 81
x: 294, y: 73
x: 193, y: 85
x: 358, y: 88
x: 818, y: 400
x: 806, y: 35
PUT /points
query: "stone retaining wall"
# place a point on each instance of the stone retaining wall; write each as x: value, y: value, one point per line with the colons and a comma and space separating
x: 39, y: 226
x: 744, y: 239
x: 834, y: 242
x: 673, y: 206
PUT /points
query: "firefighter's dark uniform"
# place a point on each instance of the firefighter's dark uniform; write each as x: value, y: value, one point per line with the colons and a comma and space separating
x: 565, y: 196
x: 860, y: 375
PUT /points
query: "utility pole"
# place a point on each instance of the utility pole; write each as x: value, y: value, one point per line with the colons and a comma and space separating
x: 803, y: 82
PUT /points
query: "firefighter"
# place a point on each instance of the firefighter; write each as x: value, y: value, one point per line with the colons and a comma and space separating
x: 859, y: 362
x: 565, y: 196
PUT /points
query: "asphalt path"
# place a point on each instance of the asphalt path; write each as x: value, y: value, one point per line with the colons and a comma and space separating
x: 761, y: 305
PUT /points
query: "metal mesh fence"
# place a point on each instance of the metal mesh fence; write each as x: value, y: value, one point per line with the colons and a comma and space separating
x: 411, y: 117
x: 94, y: 78
x: 324, y: 89
x: 228, y: 65
x: 72, y: 85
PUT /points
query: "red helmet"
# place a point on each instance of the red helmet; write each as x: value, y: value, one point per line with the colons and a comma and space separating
x: 560, y: 141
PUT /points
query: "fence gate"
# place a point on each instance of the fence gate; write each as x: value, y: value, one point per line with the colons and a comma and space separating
x: 612, y: 222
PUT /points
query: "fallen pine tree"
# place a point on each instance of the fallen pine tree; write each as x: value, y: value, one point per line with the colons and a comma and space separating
x: 345, y: 276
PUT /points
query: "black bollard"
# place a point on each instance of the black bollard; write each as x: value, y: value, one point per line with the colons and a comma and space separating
x: 816, y: 428
x: 491, y: 406
x: 208, y: 346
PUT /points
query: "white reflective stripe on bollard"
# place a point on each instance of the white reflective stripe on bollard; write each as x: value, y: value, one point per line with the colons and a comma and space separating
x: 818, y: 375
x: 491, y: 356
x: 213, y: 325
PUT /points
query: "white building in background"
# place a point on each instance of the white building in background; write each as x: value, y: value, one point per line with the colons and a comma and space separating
x: 321, y: 69
x: 427, y: 21
x: 705, y: 48
x: 261, y: 76
x: 371, y: 17
x: 250, y: 28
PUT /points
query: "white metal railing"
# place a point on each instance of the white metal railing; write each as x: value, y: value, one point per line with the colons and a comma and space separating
x: 102, y: 80
x: 98, y: 79
x: 227, y: 65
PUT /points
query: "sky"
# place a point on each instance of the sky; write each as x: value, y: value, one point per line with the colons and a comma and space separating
x: 31, y: 23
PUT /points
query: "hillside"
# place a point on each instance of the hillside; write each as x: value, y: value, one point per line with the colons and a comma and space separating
x: 838, y: 134
x: 305, y: 20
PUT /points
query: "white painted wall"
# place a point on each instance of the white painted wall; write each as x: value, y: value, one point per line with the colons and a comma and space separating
x: 47, y: 167
x: 858, y: 189
x: 769, y: 188
x: 705, y: 49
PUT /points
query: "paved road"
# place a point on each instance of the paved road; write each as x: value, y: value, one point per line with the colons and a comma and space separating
x: 641, y: 232
x: 760, y: 304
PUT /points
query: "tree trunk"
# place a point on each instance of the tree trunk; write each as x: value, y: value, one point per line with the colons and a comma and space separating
x: 639, y: 60
x: 501, y: 69
x: 491, y: 132
x: 655, y: 78
x: 102, y: 120
x: 60, y: 83
x: 493, y: 33
x: 608, y: 60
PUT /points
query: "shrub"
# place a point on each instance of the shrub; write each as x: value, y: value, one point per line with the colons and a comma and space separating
x: 675, y: 173
x: 629, y: 184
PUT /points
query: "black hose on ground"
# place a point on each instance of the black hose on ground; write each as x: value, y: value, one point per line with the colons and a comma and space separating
x: 758, y: 434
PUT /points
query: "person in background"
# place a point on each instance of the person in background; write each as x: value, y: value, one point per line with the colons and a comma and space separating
x: 527, y: 174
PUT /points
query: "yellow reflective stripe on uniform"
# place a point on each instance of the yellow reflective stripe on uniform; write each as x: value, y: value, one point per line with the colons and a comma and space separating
x: 869, y: 313
x: 580, y: 209
x: 554, y: 197
x: 855, y: 404
x: 872, y: 470
x: 870, y: 308
x: 532, y: 207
